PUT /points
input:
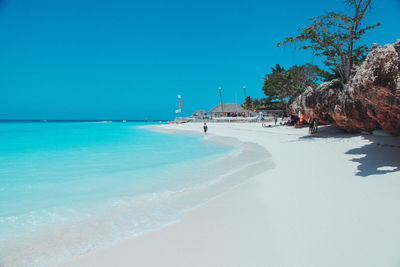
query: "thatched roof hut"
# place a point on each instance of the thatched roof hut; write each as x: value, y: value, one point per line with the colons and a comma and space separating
x: 228, y: 110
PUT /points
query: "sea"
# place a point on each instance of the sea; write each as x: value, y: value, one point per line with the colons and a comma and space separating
x: 69, y: 187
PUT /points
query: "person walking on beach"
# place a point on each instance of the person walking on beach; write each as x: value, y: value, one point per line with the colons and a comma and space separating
x: 205, y: 128
x: 262, y: 121
x: 315, y: 128
x: 275, y: 118
x: 311, y: 127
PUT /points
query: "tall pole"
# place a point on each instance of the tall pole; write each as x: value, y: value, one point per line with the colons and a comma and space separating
x: 220, y: 96
x: 245, y: 96
x: 236, y: 104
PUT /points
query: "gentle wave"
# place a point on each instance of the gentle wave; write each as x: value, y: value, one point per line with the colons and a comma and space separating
x: 75, y: 230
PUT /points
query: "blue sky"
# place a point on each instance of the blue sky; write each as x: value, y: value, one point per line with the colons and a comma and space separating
x: 125, y: 59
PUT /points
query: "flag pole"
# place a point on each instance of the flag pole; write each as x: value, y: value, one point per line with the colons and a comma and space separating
x: 180, y: 105
x: 236, y: 105
x: 220, y: 96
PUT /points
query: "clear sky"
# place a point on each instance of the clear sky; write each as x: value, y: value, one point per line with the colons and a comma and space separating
x: 127, y: 59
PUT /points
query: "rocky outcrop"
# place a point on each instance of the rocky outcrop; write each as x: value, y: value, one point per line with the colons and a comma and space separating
x: 370, y: 101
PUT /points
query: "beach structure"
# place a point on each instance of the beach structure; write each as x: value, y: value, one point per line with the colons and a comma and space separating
x: 199, y: 114
x: 271, y: 112
x: 229, y: 110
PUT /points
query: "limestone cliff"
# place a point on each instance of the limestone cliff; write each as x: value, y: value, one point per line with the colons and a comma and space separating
x: 370, y: 101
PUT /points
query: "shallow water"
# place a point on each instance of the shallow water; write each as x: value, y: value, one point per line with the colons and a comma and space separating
x: 68, y: 187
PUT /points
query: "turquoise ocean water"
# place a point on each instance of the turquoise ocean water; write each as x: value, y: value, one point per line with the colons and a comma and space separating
x: 71, y: 186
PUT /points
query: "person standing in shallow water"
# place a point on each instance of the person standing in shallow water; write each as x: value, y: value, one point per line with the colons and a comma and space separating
x: 205, y: 128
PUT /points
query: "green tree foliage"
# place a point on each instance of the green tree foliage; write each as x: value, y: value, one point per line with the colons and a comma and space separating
x: 256, y: 103
x: 335, y: 37
x: 281, y: 84
x: 268, y: 104
x: 248, y: 103
x: 263, y: 103
x: 275, y: 84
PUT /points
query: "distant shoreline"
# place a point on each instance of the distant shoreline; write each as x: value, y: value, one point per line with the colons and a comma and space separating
x: 83, y: 120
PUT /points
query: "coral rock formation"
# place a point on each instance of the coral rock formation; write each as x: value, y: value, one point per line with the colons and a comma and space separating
x: 370, y: 101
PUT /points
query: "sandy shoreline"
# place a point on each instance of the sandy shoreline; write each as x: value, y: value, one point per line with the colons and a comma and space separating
x: 331, y: 200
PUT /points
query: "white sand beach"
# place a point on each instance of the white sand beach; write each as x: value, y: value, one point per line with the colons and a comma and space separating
x: 331, y: 199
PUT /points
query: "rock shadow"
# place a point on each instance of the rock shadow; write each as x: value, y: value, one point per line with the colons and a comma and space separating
x: 381, y: 155
x: 327, y: 131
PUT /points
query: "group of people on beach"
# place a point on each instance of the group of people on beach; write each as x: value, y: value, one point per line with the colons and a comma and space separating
x: 313, y: 124
x: 263, y: 124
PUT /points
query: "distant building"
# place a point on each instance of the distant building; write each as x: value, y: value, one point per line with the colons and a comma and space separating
x: 230, y: 110
x: 271, y: 112
x: 199, y: 114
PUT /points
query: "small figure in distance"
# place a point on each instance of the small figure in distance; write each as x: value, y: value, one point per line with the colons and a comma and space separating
x: 262, y: 121
x: 301, y: 120
x: 311, y: 127
x: 275, y: 118
x: 205, y: 128
x: 289, y: 121
x: 315, y: 128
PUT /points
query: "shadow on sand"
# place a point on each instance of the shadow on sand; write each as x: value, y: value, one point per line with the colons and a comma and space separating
x: 381, y: 155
